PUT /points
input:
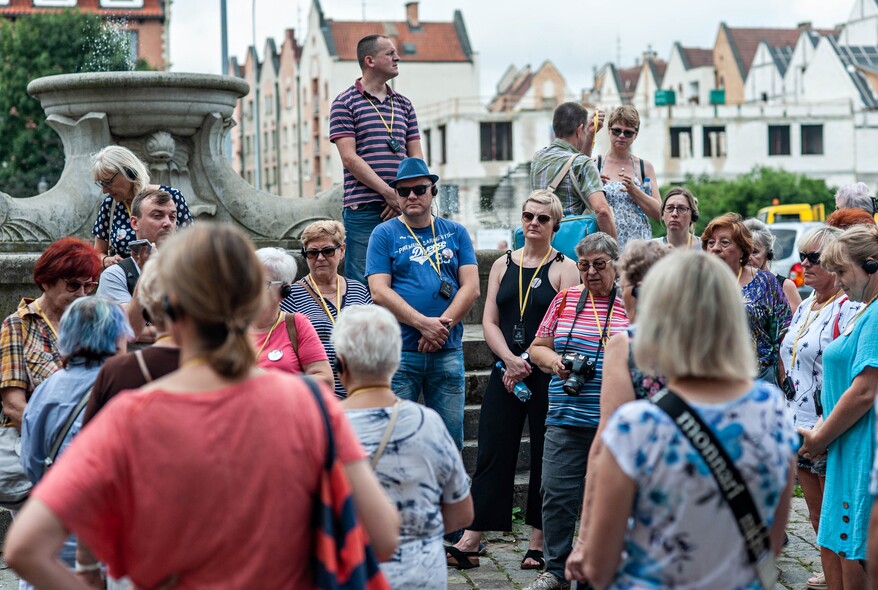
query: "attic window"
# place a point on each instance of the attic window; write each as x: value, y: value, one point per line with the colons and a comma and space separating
x: 409, y: 48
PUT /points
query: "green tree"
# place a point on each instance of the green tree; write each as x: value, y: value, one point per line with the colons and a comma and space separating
x: 750, y: 192
x: 43, y: 45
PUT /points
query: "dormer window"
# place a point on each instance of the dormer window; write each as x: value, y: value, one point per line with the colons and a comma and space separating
x: 409, y: 49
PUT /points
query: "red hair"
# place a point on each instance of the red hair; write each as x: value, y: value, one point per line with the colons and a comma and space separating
x: 740, y: 234
x: 845, y: 218
x: 67, y: 258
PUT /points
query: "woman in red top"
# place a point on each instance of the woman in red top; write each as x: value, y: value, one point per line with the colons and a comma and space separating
x: 206, y: 477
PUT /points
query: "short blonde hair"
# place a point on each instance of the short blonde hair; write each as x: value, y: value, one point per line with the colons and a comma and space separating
x: 818, y: 238
x: 331, y: 229
x: 638, y: 257
x: 115, y: 159
x: 855, y: 245
x: 546, y: 198
x: 627, y: 114
x: 686, y: 332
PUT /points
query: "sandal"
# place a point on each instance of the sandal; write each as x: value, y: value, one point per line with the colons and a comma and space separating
x: 818, y: 582
x: 537, y: 556
x: 462, y: 560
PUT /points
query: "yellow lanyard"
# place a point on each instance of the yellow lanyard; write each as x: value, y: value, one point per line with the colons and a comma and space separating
x: 689, y: 242
x: 392, y: 113
x: 805, y: 326
x: 522, y: 303
x: 437, y: 267
x: 280, y: 316
x: 313, y: 284
x: 847, y: 330
x: 594, y: 138
x: 597, y: 320
x: 46, y: 319
x: 127, y: 208
x: 740, y: 271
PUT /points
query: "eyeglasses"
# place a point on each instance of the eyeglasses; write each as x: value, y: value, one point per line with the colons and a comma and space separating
x: 528, y: 217
x: 812, y: 257
x: 271, y: 284
x: 106, y: 183
x: 75, y: 285
x: 314, y: 252
x: 598, y: 265
x: 624, y: 132
x: 681, y: 209
x: 405, y: 191
x: 722, y: 243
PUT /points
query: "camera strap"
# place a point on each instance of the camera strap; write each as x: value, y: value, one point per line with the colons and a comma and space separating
x: 730, y: 482
x: 580, y: 305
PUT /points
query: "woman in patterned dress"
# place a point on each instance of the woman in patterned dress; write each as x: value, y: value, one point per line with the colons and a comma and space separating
x: 121, y: 176
x: 633, y: 200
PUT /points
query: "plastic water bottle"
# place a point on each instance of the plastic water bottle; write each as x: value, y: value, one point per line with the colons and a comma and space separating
x: 520, y: 390
x: 646, y: 187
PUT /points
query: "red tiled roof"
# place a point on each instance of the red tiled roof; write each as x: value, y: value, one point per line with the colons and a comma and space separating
x: 697, y: 57
x: 628, y: 78
x: 432, y: 41
x: 513, y: 94
x: 151, y: 9
x: 746, y: 41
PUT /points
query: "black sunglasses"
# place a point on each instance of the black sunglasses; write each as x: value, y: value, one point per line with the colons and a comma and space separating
x: 527, y: 216
x: 314, y: 252
x: 812, y: 257
x: 405, y: 191
x: 625, y: 132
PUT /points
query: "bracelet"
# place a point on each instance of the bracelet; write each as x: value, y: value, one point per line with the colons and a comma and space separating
x: 85, y: 568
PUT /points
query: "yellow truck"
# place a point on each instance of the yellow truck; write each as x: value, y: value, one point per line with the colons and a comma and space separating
x: 801, y: 212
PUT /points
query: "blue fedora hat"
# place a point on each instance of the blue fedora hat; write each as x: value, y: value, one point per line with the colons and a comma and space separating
x: 412, y: 168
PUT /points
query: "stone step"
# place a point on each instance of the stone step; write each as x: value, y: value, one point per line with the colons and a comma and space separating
x: 470, y: 455
x: 476, y: 353
x: 471, y: 414
x: 475, y: 381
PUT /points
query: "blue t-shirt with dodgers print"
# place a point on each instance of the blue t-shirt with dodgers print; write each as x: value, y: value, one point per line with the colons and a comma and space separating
x: 393, y: 251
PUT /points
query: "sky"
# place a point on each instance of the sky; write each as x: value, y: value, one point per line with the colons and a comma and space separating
x: 577, y: 36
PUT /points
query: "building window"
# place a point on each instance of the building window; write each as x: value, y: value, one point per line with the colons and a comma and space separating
x: 486, y: 197
x: 268, y: 104
x: 307, y: 171
x: 443, y: 141
x: 289, y: 98
x: 496, y: 141
x: 55, y: 3
x: 681, y: 142
x: 778, y: 140
x: 714, y: 141
x: 812, y: 140
x: 119, y: 3
x: 249, y: 109
x: 133, y: 45
x: 428, y: 143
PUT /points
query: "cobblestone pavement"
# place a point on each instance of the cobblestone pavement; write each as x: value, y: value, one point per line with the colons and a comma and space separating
x: 499, y: 569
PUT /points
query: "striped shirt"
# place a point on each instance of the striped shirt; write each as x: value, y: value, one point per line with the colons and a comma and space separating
x: 584, y: 410
x: 356, y: 113
x: 546, y: 164
x: 300, y: 300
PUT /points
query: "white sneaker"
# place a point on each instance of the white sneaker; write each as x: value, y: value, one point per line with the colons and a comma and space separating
x: 547, y: 581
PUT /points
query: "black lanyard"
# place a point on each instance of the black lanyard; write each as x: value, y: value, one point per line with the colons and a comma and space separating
x: 604, y: 332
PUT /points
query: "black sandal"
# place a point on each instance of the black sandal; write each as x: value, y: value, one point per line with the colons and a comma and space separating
x: 537, y: 556
x: 462, y: 560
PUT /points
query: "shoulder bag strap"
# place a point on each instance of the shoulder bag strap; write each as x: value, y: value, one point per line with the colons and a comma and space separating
x: 600, y: 162
x: 141, y: 362
x: 729, y: 480
x: 553, y: 186
x: 290, y: 321
x: 330, y: 441
x: 385, y: 438
x: 68, y: 424
x: 111, y: 251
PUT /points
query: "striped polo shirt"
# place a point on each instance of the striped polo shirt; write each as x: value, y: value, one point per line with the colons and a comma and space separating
x: 356, y: 113
x: 584, y: 410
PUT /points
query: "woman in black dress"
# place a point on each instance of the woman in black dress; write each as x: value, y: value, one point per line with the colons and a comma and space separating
x: 521, y: 286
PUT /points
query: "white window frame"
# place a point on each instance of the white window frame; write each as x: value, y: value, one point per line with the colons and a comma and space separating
x: 55, y: 3
x: 121, y: 3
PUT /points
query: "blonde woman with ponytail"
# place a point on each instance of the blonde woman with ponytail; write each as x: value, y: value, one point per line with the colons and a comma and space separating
x: 206, y: 476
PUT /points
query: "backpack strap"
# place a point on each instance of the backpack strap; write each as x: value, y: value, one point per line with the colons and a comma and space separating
x: 131, y: 273
x: 553, y: 186
x: 68, y: 424
x: 290, y: 321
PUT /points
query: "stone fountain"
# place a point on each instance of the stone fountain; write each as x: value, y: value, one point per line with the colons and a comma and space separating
x: 176, y: 124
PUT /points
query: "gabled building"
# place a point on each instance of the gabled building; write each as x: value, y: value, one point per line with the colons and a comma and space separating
x: 147, y: 21
x: 689, y: 74
x: 614, y: 85
x: 525, y: 89
x: 649, y: 79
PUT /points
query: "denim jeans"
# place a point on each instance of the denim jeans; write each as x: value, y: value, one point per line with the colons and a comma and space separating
x: 358, y: 226
x: 565, y: 460
x: 439, y: 375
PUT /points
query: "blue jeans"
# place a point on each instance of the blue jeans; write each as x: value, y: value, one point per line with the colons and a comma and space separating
x: 358, y: 226
x: 439, y: 375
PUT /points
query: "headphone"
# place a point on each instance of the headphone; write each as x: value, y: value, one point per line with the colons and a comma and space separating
x: 169, y: 309
x: 870, y: 266
x: 286, y: 290
x: 131, y: 173
x: 556, y: 227
x: 635, y: 291
x: 694, y: 215
x: 769, y: 255
x: 339, y: 366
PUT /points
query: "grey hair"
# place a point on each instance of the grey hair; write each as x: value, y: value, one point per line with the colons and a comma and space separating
x: 369, y: 340
x: 598, y: 242
x: 114, y: 159
x: 819, y: 237
x: 760, y: 234
x: 854, y: 196
x: 279, y: 266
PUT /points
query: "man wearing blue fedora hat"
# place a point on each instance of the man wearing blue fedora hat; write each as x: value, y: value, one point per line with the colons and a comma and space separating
x: 423, y: 269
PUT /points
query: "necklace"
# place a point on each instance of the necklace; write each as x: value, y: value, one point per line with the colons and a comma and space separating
x: 45, y: 318
x: 280, y: 316
x: 522, y: 303
x: 369, y: 388
x: 197, y: 360
x: 313, y: 284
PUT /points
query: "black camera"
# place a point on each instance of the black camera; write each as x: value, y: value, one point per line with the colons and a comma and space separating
x: 582, y: 370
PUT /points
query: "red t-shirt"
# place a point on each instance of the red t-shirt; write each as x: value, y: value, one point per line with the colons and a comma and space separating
x: 278, y: 352
x: 216, y: 487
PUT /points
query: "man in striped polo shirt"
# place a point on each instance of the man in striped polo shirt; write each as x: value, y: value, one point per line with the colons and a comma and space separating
x: 374, y: 129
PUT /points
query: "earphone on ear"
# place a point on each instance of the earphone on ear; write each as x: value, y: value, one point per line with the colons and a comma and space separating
x: 339, y: 366
x: 870, y: 266
x: 770, y: 255
x: 434, y: 190
x: 286, y: 290
x: 556, y: 227
x: 131, y: 173
x: 635, y: 291
x: 694, y: 215
x: 168, y: 309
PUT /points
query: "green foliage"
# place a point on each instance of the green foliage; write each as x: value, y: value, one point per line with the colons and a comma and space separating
x: 750, y: 192
x: 517, y: 515
x: 43, y: 45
